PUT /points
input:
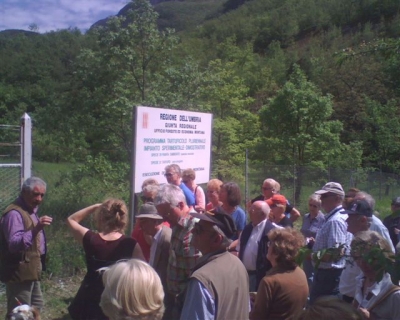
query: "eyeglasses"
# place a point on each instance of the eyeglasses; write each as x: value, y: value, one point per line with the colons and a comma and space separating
x: 146, y: 199
x: 168, y: 174
x: 326, y: 195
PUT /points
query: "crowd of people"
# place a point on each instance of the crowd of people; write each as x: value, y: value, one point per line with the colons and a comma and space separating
x: 192, y: 254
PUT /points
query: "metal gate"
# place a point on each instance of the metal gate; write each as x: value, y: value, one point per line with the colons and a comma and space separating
x: 15, y: 159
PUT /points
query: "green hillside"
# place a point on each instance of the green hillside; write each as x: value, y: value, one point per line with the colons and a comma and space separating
x: 329, y: 69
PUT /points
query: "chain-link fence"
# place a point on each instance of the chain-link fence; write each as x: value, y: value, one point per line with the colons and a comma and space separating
x: 10, y: 167
x: 10, y: 184
x: 298, y: 183
x: 10, y: 170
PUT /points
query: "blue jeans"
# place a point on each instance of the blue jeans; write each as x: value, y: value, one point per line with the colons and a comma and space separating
x: 325, y: 283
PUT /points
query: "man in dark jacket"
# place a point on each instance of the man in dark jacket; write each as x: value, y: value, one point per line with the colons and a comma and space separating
x: 253, y: 243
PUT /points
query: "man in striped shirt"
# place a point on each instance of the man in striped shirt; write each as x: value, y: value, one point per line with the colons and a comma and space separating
x: 171, y: 205
x: 332, y: 234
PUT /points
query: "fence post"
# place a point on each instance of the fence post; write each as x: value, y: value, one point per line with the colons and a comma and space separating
x: 26, y: 147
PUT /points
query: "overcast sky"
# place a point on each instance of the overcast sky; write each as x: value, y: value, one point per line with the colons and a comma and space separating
x: 56, y: 14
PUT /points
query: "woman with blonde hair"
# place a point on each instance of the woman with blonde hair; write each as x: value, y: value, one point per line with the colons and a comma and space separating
x: 213, y: 188
x: 102, y: 248
x: 132, y: 291
x: 188, y: 177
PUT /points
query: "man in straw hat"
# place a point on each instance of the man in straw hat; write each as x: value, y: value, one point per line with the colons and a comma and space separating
x: 152, y: 224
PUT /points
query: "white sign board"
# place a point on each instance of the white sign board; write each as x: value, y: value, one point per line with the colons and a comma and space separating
x: 165, y: 136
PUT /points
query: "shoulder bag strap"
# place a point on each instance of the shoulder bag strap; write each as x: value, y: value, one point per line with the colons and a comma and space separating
x: 393, y: 289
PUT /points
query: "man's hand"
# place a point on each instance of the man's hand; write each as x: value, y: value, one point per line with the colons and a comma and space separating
x: 45, y: 221
x: 365, y: 313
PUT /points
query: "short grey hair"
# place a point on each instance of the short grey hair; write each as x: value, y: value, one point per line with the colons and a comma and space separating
x: 30, y: 183
x: 169, y: 193
x: 175, y: 168
x: 367, y: 197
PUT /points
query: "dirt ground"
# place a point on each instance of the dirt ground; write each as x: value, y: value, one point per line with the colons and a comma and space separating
x: 57, y: 293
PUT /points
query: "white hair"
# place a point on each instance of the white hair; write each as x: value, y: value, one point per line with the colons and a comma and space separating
x: 367, y: 197
x: 275, y: 184
x: 132, y: 291
x: 171, y: 194
x: 30, y: 183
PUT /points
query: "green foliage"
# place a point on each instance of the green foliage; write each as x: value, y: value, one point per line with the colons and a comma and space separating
x: 225, y: 95
x: 95, y: 180
x: 186, y: 15
x: 120, y: 71
x: 328, y: 254
x: 297, y: 126
x: 382, y: 261
x: 65, y: 256
x: 382, y: 134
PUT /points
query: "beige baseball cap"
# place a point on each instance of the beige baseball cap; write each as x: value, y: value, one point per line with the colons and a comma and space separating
x: 332, y: 187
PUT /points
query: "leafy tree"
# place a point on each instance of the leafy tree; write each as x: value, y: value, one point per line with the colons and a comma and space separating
x: 235, y: 127
x: 296, y: 127
x: 381, y: 135
x: 119, y: 73
x: 138, y: 47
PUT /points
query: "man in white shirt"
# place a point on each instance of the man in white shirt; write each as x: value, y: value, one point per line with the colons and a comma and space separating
x: 253, y: 243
